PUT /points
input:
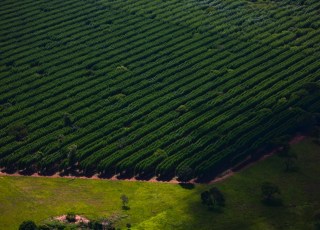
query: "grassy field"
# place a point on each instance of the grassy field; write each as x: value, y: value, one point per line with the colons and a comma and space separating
x: 169, y: 206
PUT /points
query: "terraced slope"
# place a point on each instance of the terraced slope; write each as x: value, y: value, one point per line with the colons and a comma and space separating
x: 152, y: 87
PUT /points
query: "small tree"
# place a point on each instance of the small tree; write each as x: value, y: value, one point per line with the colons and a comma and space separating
x: 71, y: 217
x: 96, y: 225
x: 125, y: 201
x: 289, y: 158
x: 290, y: 161
x: 67, y: 119
x: 28, y: 225
x: 72, y: 150
x: 269, y: 191
x: 160, y: 153
x: 182, y: 109
x: 213, y: 198
x: 206, y: 198
x: 217, y: 196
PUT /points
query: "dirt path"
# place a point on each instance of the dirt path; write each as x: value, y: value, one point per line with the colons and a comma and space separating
x: 223, y: 175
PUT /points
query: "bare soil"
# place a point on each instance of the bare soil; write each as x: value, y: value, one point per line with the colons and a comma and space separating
x: 79, y: 219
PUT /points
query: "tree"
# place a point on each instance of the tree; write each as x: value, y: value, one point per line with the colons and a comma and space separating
x: 160, y: 153
x: 269, y: 191
x: 289, y: 158
x: 28, y: 225
x: 290, y: 161
x: 185, y: 173
x: 218, y: 197
x: 182, y: 109
x: 95, y: 225
x: 206, y: 198
x: 213, y: 198
x: 72, y: 150
x: 67, y: 119
x: 125, y: 201
x: 71, y: 217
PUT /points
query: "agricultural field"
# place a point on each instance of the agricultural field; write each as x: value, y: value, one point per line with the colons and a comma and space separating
x: 157, y: 206
x: 153, y: 88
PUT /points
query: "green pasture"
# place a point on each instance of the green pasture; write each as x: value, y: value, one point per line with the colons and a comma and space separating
x: 170, y: 206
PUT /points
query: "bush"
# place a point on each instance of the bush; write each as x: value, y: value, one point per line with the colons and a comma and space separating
x: 56, y: 225
x: 160, y: 153
x: 182, y: 109
x: 185, y: 174
x: 268, y: 191
x: 28, y: 225
x: 67, y: 119
x: 125, y: 201
x: 95, y: 225
x: 213, y: 197
x: 71, y: 217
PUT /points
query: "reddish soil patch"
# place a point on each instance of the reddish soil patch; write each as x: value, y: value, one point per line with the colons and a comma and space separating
x: 79, y: 219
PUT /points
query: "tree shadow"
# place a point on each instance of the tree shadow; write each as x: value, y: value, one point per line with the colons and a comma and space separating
x: 27, y: 172
x: 145, y: 177
x: 275, y: 202
x: 187, y: 185
x: 165, y: 177
x: 217, y: 209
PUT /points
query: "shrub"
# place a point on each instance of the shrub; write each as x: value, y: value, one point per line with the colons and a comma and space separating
x: 184, y: 174
x: 71, y: 217
x: 182, y: 109
x: 67, y: 119
x: 160, y: 153
x: 268, y: 191
x: 28, y: 225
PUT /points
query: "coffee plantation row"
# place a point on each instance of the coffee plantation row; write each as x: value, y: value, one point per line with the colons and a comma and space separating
x: 154, y: 88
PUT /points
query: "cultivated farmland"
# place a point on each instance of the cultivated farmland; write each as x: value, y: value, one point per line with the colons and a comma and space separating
x: 157, y: 87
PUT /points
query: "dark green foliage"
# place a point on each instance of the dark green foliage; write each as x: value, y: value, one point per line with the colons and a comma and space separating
x: 125, y: 201
x: 289, y: 158
x: 312, y: 87
x: 19, y: 131
x: 71, y: 217
x: 269, y: 192
x: 72, y: 151
x: 203, y: 84
x: 67, y: 119
x: 28, y: 225
x: 52, y: 225
x: 206, y: 198
x: 95, y: 225
x: 213, y: 198
x: 103, y: 224
x: 184, y: 173
x: 182, y: 109
x: 160, y: 153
